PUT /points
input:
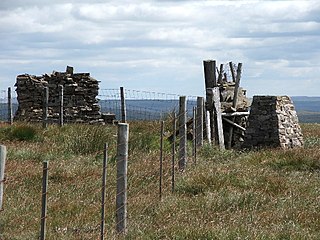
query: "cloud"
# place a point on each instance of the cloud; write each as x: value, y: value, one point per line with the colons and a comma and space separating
x: 162, y: 43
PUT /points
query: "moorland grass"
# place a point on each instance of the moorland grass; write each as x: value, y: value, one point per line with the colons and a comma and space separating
x: 266, y: 194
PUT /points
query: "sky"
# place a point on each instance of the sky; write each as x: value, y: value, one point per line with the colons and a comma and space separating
x: 160, y: 46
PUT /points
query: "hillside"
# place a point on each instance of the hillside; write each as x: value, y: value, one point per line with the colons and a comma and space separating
x: 267, y: 194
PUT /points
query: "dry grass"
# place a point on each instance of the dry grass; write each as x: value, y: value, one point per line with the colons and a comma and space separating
x: 267, y: 194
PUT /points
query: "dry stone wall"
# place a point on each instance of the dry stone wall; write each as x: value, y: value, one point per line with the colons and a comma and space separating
x: 273, y: 122
x: 79, y: 101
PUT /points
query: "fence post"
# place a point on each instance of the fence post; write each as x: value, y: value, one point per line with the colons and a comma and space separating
x: 10, y: 119
x: 123, y: 106
x: 199, y: 121
x: 173, y: 152
x: 194, y: 133
x: 3, y: 155
x: 60, y: 105
x: 45, y: 107
x: 122, y: 163
x: 161, y: 160
x: 103, y: 190
x: 182, y: 133
x: 44, y: 200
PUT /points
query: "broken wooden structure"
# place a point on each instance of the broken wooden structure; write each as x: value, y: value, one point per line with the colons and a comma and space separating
x: 226, y: 104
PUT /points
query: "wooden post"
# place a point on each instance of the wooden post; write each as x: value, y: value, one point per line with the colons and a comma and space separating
x: 161, y: 160
x: 210, y: 82
x: 220, y: 74
x: 194, y: 133
x: 44, y: 200
x: 182, y: 133
x: 3, y: 156
x: 173, y: 152
x: 208, y: 129
x: 10, y: 119
x: 122, y: 164
x: 103, y: 191
x: 236, y: 79
x: 45, y: 107
x: 199, y: 121
x: 123, y: 106
x: 60, y: 105
x: 215, y: 93
x: 210, y: 73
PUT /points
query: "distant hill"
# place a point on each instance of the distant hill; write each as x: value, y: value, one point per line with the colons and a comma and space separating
x: 308, y: 108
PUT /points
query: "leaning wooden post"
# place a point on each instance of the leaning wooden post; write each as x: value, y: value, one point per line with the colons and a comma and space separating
x: 60, y: 105
x: 122, y: 163
x: 45, y: 107
x: 236, y: 79
x: 44, y: 200
x: 123, y: 106
x: 182, y: 133
x: 218, y: 117
x: 10, y: 119
x: 103, y: 191
x: 161, y: 159
x: 3, y: 156
x: 199, y: 121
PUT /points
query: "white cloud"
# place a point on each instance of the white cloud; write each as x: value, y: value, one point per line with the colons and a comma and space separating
x: 133, y: 41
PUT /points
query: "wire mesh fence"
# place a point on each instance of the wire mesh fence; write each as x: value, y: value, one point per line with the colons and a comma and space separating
x: 74, y: 192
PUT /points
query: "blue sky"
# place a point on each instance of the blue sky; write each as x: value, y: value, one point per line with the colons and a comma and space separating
x: 160, y: 45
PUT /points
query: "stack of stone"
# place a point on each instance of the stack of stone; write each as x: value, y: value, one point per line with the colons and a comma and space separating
x: 79, y: 101
x: 273, y: 122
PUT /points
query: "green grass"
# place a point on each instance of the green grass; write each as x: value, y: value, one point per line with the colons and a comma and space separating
x: 266, y: 194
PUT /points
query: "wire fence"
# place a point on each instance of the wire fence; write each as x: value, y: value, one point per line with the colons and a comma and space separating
x: 140, y: 105
x: 151, y: 166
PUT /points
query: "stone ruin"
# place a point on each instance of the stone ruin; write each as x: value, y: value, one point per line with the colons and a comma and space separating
x: 79, y: 100
x: 273, y: 122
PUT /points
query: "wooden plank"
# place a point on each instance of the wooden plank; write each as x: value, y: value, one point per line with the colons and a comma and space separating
x: 103, y: 191
x: 235, y: 114
x: 10, y: 119
x: 236, y: 87
x: 218, y: 117
x: 233, y: 124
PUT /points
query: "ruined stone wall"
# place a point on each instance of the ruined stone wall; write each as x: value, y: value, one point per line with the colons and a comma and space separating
x: 273, y: 122
x: 80, y: 91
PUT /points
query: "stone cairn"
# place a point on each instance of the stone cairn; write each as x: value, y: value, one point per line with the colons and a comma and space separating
x: 79, y: 101
x: 273, y: 122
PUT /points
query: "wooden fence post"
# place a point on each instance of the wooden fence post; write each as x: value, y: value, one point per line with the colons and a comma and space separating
x: 3, y: 156
x: 199, y: 121
x: 173, y: 152
x: 10, y: 119
x: 44, y: 200
x: 103, y: 190
x: 45, y: 107
x: 122, y: 163
x: 60, y: 105
x: 161, y: 159
x: 123, y: 106
x: 182, y: 133
x: 194, y: 133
